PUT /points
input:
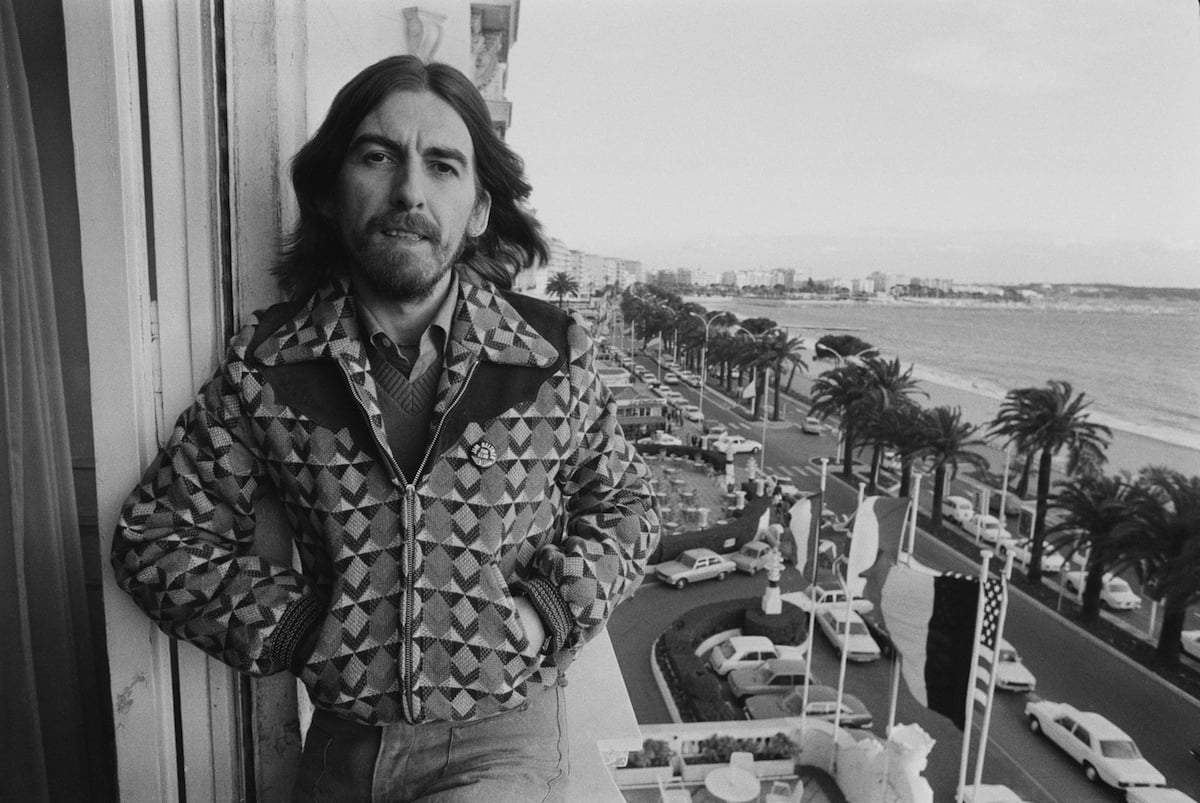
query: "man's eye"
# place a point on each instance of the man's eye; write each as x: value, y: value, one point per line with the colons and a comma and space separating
x: 444, y: 169
x: 376, y: 157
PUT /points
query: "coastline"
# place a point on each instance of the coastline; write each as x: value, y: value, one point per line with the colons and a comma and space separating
x: 1130, y: 451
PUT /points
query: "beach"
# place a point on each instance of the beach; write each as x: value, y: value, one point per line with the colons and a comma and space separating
x: 1128, y: 450
x: 1136, y: 367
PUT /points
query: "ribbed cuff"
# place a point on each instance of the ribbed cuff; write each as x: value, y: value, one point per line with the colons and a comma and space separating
x: 550, y: 605
x: 297, y: 621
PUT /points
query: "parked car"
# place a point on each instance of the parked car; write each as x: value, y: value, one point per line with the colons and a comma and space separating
x: 811, y: 425
x: 1011, y: 672
x: 824, y: 597
x: 1156, y: 794
x: 692, y: 379
x: 958, y: 509
x: 752, y: 556
x: 990, y: 793
x: 660, y: 438
x: 736, y: 444
x: 692, y: 413
x: 1052, y: 561
x: 1190, y: 641
x: 776, y: 676
x: 670, y: 378
x: 745, y: 652
x: 714, y: 429
x: 847, y: 634
x: 1105, y: 751
x: 988, y: 529
x: 694, y: 565
x: 1115, y: 592
x: 1012, y: 504
x: 822, y: 704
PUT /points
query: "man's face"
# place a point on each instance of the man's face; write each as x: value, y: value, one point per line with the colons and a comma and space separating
x: 406, y: 195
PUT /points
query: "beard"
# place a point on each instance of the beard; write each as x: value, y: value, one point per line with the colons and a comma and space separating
x: 392, y: 269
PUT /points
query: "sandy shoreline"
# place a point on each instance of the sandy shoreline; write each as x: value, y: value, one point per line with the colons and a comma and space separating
x: 1129, y: 450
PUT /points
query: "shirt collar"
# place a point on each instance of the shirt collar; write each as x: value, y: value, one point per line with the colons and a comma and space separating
x: 442, y: 319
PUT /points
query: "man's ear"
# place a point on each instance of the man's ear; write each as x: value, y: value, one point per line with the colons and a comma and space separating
x: 480, y: 215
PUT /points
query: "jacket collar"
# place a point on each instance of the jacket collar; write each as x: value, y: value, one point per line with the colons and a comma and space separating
x: 486, y: 326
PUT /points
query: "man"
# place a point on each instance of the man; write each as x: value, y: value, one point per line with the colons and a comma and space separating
x: 466, y: 510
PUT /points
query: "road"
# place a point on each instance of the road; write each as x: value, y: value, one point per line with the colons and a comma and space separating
x: 1069, y: 665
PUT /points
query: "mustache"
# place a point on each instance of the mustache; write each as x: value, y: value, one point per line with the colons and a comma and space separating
x: 411, y: 222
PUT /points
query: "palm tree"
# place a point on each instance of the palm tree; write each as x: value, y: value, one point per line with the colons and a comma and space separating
x: 888, y: 386
x: 1050, y: 419
x: 950, y: 441
x: 1164, y: 537
x: 903, y: 428
x: 562, y: 285
x: 1093, y: 506
x: 838, y: 392
x: 778, y: 349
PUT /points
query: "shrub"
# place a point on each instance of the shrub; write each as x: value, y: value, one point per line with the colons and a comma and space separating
x: 654, y: 753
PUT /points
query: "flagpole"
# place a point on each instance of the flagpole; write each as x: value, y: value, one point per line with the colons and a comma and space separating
x: 812, y: 610
x: 841, y: 687
x: 766, y: 390
x: 991, y: 692
x: 985, y: 559
x: 1004, y: 485
x: 915, y: 504
x: 894, y: 685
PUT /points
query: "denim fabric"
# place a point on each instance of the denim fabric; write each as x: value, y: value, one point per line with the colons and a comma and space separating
x: 518, y: 756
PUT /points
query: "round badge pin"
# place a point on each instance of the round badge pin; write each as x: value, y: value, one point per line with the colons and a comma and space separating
x: 483, y: 454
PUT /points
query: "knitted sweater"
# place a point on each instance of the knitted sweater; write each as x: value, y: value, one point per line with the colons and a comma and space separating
x: 527, y: 483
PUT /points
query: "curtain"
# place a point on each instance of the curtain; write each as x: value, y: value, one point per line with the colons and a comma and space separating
x: 43, y: 609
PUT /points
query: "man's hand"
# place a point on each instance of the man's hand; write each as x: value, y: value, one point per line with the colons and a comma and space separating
x: 535, y: 631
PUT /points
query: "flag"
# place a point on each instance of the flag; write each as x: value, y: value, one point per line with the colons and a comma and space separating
x: 804, y: 527
x: 989, y: 641
x: 655, y: 343
x: 748, y: 391
x: 931, y: 619
x: 764, y: 522
x: 878, y: 529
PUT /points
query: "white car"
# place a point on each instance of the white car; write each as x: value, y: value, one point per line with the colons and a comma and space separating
x: 1115, y: 592
x: 752, y: 556
x: 736, y: 444
x: 743, y: 652
x: 848, y: 634
x: 1011, y: 673
x: 692, y: 413
x: 988, y: 529
x: 694, y: 565
x: 670, y: 378
x: 1105, y: 752
x: 660, y: 438
x: 1190, y: 639
x: 1052, y: 561
x: 691, y: 379
x: 958, y: 508
x: 1156, y: 794
x: 811, y: 425
x: 823, y: 597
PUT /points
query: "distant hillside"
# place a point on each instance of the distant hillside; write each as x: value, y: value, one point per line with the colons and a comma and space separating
x: 1114, y: 292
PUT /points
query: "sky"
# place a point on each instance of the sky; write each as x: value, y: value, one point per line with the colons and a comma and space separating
x: 1002, y: 142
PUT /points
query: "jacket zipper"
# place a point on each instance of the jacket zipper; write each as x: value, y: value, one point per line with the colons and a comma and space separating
x: 410, y: 497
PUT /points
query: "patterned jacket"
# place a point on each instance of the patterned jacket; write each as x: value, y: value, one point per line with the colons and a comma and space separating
x: 528, y: 484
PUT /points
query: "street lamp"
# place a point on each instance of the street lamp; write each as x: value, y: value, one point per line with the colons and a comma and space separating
x: 708, y: 322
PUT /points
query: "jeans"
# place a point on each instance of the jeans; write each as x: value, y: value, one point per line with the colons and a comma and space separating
x: 518, y: 756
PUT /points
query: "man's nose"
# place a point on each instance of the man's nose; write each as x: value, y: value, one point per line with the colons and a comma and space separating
x: 408, y: 188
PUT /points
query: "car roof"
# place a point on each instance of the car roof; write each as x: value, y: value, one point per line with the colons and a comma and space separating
x: 699, y: 551
x: 839, y: 612
x: 751, y: 642
x: 956, y: 498
x: 1098, y: 726
x: 786, y: 666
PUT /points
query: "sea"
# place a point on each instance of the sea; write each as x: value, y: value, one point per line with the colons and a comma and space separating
x: 1138, y: 366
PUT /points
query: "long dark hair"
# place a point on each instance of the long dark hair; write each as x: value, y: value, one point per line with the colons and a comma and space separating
x: 313, y: 253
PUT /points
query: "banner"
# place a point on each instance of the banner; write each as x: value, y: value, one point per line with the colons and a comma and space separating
x: 878, y: 530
